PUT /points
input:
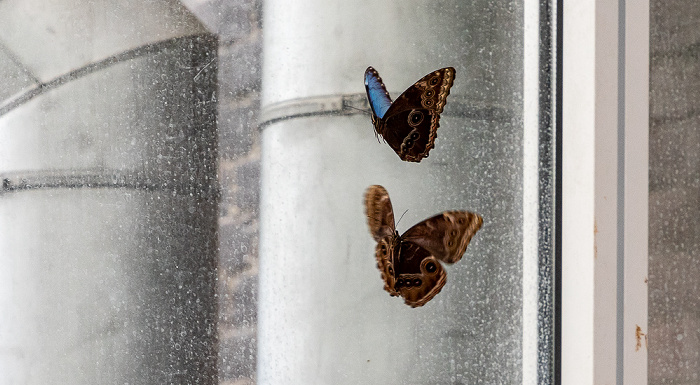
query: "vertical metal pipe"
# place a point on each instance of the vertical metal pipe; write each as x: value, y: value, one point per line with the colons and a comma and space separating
x: 323, y: 316
x: 108, y: 205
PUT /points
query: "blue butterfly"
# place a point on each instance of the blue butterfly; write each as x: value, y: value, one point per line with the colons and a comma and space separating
x: 409, y: 124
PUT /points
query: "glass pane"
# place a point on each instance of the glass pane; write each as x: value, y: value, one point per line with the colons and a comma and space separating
x: 132, y: 159
x: 674, y: 188
x: 108, y: 204
x: 323, y: 314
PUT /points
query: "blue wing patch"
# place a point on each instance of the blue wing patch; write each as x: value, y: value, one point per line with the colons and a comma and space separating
x: 379, y: 98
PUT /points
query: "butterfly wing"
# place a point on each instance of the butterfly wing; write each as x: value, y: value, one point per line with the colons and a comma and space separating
x: 446, y: 235
x: 384, y: 253
x: 379, y: 99
x: 380, y: 218
x: 411, y: 133
x: 410, y: 123
x: 380, y: 214
x: 410, y: 264
x: 419, y: 275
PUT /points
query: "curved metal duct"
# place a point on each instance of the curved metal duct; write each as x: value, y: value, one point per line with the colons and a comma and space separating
x: 109, y: 195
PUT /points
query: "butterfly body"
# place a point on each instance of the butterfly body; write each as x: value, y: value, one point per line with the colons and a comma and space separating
x: 410, y: 263
x: 409, y: 124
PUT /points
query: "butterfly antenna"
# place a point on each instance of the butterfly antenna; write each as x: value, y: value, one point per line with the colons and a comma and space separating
x: 404, y: 213
x: 376, y: 134
x: 359, y: 109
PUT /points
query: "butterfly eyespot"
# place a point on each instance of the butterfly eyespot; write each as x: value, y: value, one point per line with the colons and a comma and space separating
x: 415, y: 135
x: 460, y: 221
x: 450, y: 243
x: 429, y: 93
x: 409, y: 143
x: 415, y: 118
x: 453, y: 233
x: 430, y: 267
x: 391, y: 270
x: 417, y: 282
x: 434, y: 81
x: 428, y: 102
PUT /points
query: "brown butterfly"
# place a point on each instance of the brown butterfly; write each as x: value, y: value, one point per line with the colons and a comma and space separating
x: 409, y: 124
x: 409, y: 263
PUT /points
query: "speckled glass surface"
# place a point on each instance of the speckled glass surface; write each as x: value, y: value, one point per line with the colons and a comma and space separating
x: 323, y: 316
x: 108, y: 194
x: 674, y: 193
x: 140, y: 279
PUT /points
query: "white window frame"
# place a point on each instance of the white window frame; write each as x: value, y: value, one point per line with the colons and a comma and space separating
x: 605, y: 134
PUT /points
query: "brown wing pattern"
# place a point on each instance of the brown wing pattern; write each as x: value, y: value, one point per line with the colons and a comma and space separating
x: 380, y: 215
x: 446, y: 235
x: 411, y: 122
x: 380, y: 218
x: 419, y: 275
x: 410, y: 265
x: 413, y: 133
x: 431, y: 90
x: 384, y: 253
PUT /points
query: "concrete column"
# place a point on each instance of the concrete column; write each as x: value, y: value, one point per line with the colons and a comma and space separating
x: 108, y: 202
x: 323, y: 316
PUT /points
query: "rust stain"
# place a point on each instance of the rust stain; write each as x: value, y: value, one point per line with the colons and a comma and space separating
x: 595, y: 239
x: 638, y: 335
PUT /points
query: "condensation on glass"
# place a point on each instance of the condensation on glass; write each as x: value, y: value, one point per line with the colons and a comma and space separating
x: 323, y: 315
x: 110, y: 248
x: 674, y: 188
x: 109, y: 199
